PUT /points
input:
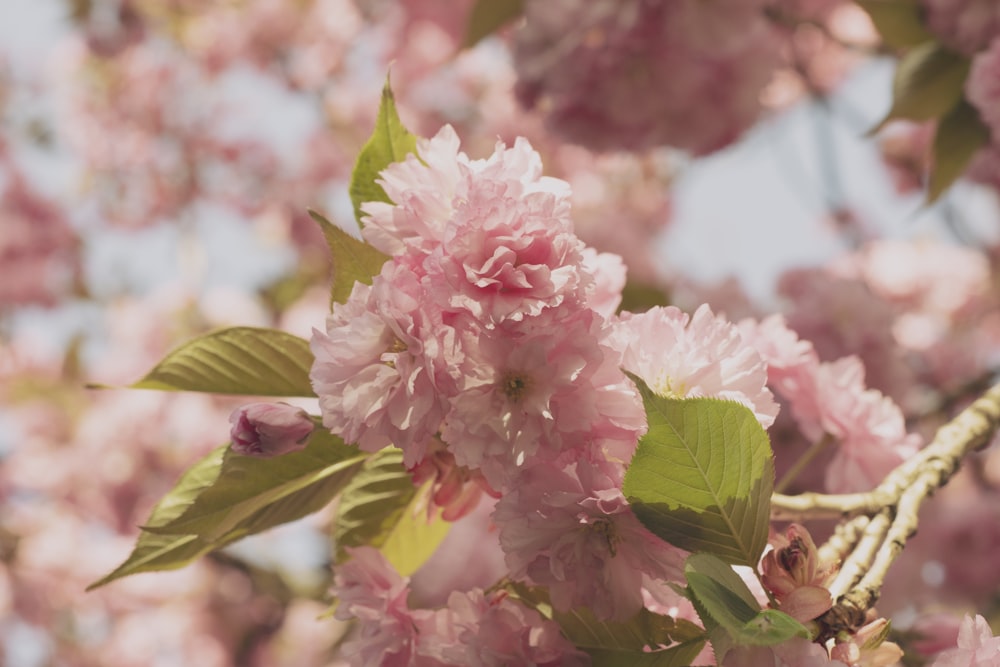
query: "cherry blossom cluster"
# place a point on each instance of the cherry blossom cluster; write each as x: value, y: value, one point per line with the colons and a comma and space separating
x: 475, y: 628
x: 490, y: 334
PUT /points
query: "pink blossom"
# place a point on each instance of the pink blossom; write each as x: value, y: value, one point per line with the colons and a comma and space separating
x: 702, y: 355
x: 831, y: 398
x: 378, y: 366
x: 495, y: 630
x: 38, y: 249
x: 533, y: 390
x: 368, y: 589
x: 504, y: 255
x: 977, y: 646
x: 867, y: 646
x: 453, y: 489
x: 841, y: 316
x: 571, y: 530
x: 632, y: 75
x: 982, y: 87
x: 869, y: 427
x: 921, y: 275
x: 608, y: 269
x: 427, y: 191
x: 269, y: 429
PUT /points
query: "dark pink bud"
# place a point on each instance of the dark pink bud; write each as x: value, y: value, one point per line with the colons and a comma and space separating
x: 269, y: 429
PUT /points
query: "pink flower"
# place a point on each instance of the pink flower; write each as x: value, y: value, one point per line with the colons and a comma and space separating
x: 454, y: 489
x: 379, y: 364
x: 608, y: 269
x: 537, y: 389
x: 977, y: 646
x: 982, y: 87
x: 269, y: 429
x: 965, y: 25
x: 493, y: 630
x: 831, y: 398
x: 704, y: 355
x: 868, y: 426
x: 506, y: 255
x: 368, y: 589
x: 571, y: 530
x: 426, y: 192
x: 867, y: 647
x: 634, y: 74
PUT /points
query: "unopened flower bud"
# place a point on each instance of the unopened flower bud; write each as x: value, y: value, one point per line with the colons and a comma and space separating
x: 269, y: 429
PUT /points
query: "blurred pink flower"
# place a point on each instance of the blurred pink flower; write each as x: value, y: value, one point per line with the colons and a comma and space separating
x: 982, y: 87
x: 977, y: 646
x: 633, y: 75
x: 571, y: 530
x: 39, y: 251
x: 964, y: 25
x: 492, y: 630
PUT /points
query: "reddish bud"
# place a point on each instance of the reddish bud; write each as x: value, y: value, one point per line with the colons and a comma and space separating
x: 269, y: 429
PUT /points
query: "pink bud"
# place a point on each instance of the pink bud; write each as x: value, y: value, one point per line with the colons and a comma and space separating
x: 795, y: 576
x: 269, y: 429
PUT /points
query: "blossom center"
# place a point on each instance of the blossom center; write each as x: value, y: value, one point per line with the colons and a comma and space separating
x: 605, y: 528
x: 395, y: 347
x: 515, y: 385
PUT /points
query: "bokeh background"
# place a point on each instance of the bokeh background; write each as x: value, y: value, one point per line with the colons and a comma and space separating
x: 157, y: 158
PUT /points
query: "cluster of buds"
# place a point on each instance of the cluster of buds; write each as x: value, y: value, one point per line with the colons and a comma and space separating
x: 798, y: 581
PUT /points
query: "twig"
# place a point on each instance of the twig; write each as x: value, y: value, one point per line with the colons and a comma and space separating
x: 893, y: 507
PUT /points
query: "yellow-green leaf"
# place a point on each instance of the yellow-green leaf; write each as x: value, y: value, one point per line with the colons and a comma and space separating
x: 899, y: 22
x: 246, y: 485
x: 928, y: 83
x: 353, y: 259
x: 240, y: 360
x: 198, y: 502
x: 702, y: 476
x: 381, y: 507
x: 959, y: 135
x: 611, y: 643
x: 390, y: 142
x: 488, y: 16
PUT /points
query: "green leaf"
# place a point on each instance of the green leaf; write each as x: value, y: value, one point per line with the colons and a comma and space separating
x: 285, y: 485
x: 899, y: 22
x: 702, y: 476
x: 382, y: 508
x: 959, y: 135
x: 157, y: 550
x: 488, y: 16
x: 720, y: 593
x: 612, y: 643
x: 160, y: 552
x: 240, y: 360
x: 928, y: 83
x: 390, y: 142
x: 770, y: 627
x: 353, y: 259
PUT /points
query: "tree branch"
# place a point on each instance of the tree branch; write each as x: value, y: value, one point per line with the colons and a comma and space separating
x: 893, y: 507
